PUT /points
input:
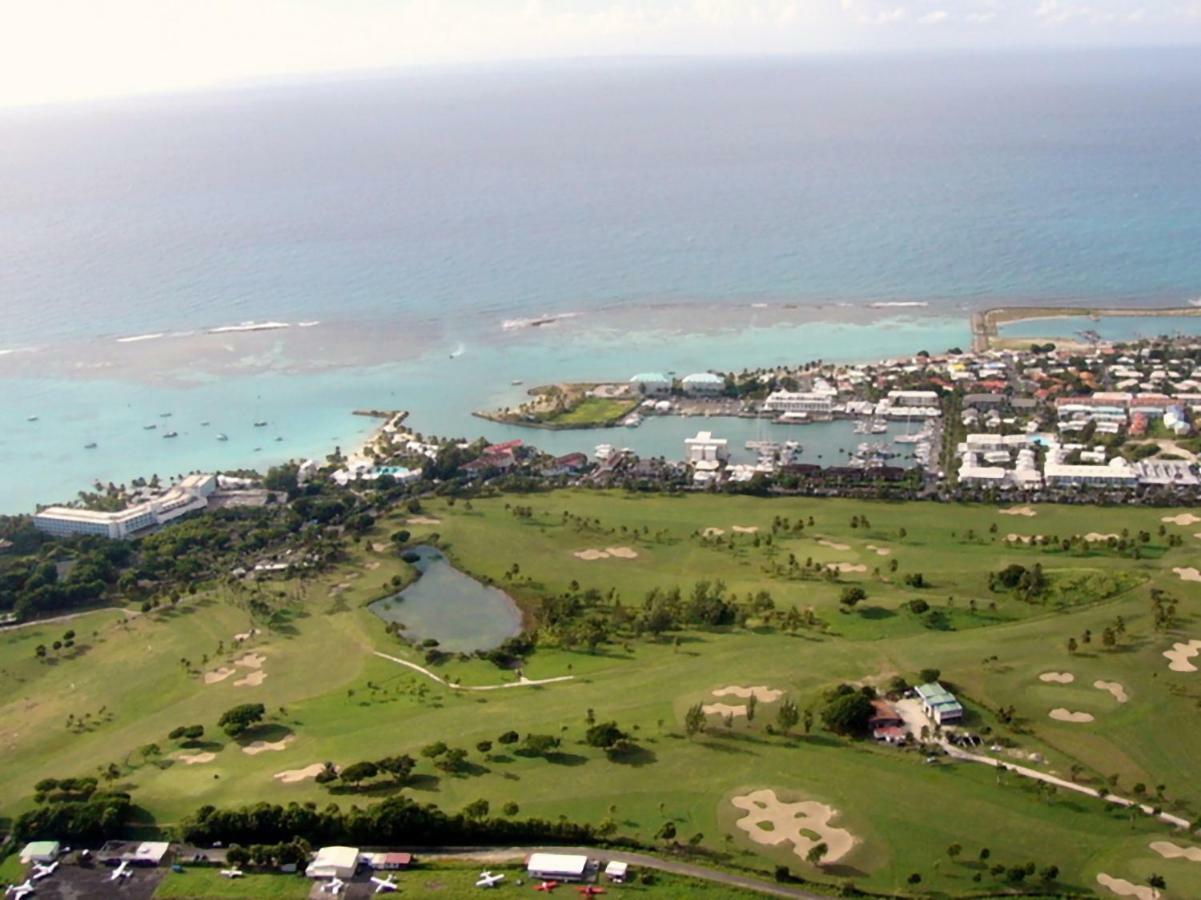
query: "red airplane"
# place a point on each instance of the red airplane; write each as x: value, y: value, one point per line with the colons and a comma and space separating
x: 547, y: 886
x: 589, y: 890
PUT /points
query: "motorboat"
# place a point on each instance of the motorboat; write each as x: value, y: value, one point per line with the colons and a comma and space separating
x: 91, y: 445
x: 223, y: 437
x: 171, y: 434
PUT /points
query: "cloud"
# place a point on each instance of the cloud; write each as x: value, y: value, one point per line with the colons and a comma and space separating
x: 934, y: 17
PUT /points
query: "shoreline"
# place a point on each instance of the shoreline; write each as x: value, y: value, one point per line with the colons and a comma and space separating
x: 986, y: 324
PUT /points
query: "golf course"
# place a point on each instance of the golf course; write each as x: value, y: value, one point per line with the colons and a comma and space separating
x: 1064, y: 631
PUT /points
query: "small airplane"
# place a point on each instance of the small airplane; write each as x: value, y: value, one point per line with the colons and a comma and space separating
x: 19, y: 891
x: 488, y: 880
x: 122, y: 871
x: 384, y: 885
x: 547, y: 886
x: 333, y: 886
x: 231, y: 873
x: 590, y: 890
x: 44, y: 871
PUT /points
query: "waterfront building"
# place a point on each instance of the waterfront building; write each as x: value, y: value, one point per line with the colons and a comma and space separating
x: 189, y: 495
x: 703, y: 383
x: 651, y: 383
x: 819, y: 403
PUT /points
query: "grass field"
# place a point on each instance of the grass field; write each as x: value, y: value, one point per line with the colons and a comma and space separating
x: 339, y: 702
x: 593, y: 411
x: 449, y: 881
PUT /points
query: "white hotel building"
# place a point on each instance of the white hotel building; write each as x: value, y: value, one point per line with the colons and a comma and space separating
x: 812, y: 402
x: 189, y: 495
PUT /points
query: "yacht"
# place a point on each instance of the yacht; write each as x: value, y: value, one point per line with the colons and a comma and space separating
x: 517, y: 381
x: 278, y: 440
x: 879, y: 426
x: 149, y: 427
x: 171, y: 434
x: 223, y: 437
x: 165, y: 415
x: 91, y: 445
x: 32, y: 419
x: 261, y: 423
x: 205, y: 424
x: 862, y: 428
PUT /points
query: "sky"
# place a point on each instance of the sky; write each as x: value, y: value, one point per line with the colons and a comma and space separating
x: 66, y: 50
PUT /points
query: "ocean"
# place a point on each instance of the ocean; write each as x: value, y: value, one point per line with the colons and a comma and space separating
x: 676, y: 214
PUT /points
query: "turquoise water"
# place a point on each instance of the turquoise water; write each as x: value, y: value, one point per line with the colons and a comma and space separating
x: 311, y: 410
x: 1112, y: 328
x: 662, y: 201
x: 451, y: 607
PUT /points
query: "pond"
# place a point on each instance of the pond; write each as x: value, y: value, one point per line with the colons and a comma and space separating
x: 451, y: 607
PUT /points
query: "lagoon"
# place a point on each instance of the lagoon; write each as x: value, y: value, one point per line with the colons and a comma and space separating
x: 450, y: 607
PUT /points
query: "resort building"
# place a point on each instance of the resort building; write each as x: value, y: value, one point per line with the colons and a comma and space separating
x: 1117, y: 473
x: 707, y: 455
x: 557, y: 866
x: 706, y: 448
x: 189, y: 495
x: 939, y: 704
x: 819, y: 403
x: 703, y: 383
x: 651, y: 383
x: 913, y: 398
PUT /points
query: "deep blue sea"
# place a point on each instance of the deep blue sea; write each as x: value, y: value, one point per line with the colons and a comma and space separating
x: 693, y: 214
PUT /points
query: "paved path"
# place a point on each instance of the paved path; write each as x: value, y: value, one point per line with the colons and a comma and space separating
x: 486, y: 855
x: 521, y: 682
x: 958, y: 753
x: 67, y: 618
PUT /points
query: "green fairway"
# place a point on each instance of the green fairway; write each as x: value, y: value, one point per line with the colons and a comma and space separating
x: 330, y: 698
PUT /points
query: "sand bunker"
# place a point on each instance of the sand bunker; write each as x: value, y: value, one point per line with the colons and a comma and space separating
x: 770, y: 821
x: 760, y: 692
x: 251, y: 661
x: 1188, y: 574
x: 422, y: 520
x: 1057, y: 677
x: 1060, y: 714
x: 218, y: 675
x: 256, y: 747
x: 1180, y: 654
x: 609, y: 552
x: 292, y: 776
x: 245, y: 635
x: 1124, y: 888
x: 745, y: 529
x: 847, y: 567
x: 834, y: 545
x: 194, y: 759
x: 713, y: 532
x: 1182, y: 519
x: 723, y: 709
x: 1098, y: 536
x: 879, y: 551
x: 254, y: 679
x: 1018, y: 511
x: 1119, y: 692
x: 1168, y: 850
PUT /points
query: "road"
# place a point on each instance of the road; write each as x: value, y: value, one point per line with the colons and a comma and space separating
x: 958, y: 753
x: 68, y: 617
x: 485, y: 855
